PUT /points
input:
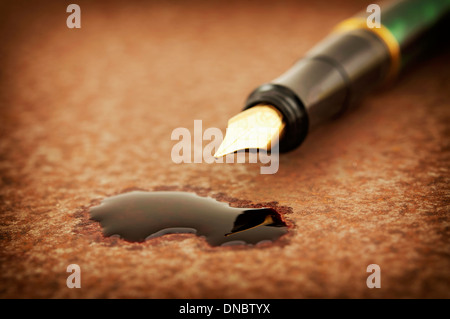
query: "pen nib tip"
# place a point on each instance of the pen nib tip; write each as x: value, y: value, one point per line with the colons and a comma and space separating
x: 254, y: 128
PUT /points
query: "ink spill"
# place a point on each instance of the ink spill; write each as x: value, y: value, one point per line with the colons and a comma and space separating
x: 138, y: 216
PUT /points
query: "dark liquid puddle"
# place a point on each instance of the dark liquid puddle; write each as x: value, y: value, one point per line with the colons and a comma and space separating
x: 138, y: 216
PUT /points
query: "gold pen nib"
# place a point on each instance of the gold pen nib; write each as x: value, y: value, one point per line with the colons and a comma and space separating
x: 255, y: 128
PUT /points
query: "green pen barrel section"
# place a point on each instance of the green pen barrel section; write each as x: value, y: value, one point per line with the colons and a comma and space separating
x: 407, y: 18
x: 417, y: 25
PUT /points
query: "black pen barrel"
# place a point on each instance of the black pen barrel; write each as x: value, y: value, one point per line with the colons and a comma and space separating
x: 349, y: 63
x: 322, y: 85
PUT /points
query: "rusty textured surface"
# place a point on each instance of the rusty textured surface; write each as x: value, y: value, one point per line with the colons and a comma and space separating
x: 88, y: 113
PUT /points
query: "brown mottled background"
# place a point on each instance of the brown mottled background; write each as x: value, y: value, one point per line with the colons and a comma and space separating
x: 88, y: 113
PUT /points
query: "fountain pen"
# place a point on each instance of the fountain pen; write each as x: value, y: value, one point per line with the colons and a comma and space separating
x: 343, y: 67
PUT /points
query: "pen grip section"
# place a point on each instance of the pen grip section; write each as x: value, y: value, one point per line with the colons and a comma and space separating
x: 337, y: 72
x: 319, y: 87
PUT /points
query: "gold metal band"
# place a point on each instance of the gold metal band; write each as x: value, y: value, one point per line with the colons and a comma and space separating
x: 383, y: 33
